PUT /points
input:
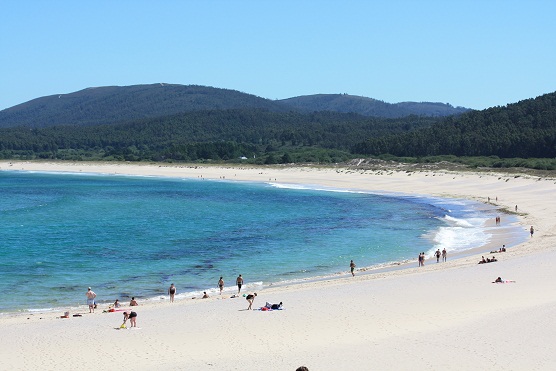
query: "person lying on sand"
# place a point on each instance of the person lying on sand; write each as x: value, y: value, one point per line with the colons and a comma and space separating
x: 500, y: 280
x: 273, y: 306
x: 487, y: 260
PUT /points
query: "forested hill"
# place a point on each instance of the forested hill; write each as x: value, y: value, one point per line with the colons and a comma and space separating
x: 115, y: 104
x: 370, y: 107
x: 526, y: 129
x: 118, y: 104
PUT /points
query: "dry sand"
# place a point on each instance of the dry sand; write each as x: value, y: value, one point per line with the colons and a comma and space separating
x: 446, y: 316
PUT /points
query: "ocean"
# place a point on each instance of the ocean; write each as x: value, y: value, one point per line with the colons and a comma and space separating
x: 133, y: 236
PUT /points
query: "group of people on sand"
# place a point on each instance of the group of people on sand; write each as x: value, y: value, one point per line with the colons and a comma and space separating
x: 487, y: 260
x: 437, y: 254
x: 128, y: 315
x: 502, y: 249
x: 117, y: 304
x: 172, y: 290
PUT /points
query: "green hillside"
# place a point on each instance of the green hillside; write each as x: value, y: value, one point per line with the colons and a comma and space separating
x: 524, y: 129
x: 370, y: 107
x: 118, y: 104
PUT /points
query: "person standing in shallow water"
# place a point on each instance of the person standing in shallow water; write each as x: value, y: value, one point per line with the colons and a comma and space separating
x: 172, y: 292
x: 352, y: 268
x: 444, y: 255
x: 221, y: 285
x: 239, y: 283
x: 437, y: 253
x: 531, y: 230
x: 91, y: 300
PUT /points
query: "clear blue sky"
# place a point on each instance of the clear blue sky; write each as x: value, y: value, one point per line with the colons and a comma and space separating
x: 472, y: 53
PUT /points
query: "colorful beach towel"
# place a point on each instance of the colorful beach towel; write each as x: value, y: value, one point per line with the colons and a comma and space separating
x: 266, y: 309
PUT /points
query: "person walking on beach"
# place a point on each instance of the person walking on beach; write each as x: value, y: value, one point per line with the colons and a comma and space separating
x: 250, y: 298
x: 531, y: 230
x: 352, y: 268
x: 172, y: 292
x: 221, y: 285
x: 437, y: 253
x: 91, y: 300
x: 444, y: 254
x: 239, y: 283
x: 422, y: 259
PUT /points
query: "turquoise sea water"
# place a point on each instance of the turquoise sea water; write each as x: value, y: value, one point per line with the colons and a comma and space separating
x: 133, y: 236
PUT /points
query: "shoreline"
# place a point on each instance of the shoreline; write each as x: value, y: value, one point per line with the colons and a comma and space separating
x: 498, y: 234
x: 394, y: 317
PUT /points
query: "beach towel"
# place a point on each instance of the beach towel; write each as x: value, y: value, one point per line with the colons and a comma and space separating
x: 266, y: 309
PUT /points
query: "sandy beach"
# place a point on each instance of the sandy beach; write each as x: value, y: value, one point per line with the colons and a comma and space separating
x: 446, y: 316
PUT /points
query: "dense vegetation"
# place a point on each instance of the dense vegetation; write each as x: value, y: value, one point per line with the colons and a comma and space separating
x: 525, y: 129
x: 116, y: 104
x: 202, y: 135
x: 520, y: 134
x: 371, y: 107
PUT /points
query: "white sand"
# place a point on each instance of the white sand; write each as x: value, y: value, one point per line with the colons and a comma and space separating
x: 446, y: 316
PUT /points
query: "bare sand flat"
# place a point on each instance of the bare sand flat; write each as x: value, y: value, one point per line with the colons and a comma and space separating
x: 446, y: 316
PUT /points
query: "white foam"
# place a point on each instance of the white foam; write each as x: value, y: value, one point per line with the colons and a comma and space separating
x: 460, y: 234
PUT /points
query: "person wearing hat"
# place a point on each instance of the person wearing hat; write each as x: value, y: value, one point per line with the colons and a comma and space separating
x: 91, y: 300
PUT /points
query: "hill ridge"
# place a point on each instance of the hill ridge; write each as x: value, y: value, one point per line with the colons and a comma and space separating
x: 115, y: 104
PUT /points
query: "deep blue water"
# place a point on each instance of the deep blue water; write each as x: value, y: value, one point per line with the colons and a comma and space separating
x: 133, y: 236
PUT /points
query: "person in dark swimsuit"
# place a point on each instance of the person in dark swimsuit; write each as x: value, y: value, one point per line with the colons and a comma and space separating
x: 250, y: 298
x: 172, y: 292
x: 132, y: 316
x: 221, y: 285
x: 239, y: 283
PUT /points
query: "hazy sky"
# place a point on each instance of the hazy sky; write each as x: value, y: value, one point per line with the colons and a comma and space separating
x: 472, y: 53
